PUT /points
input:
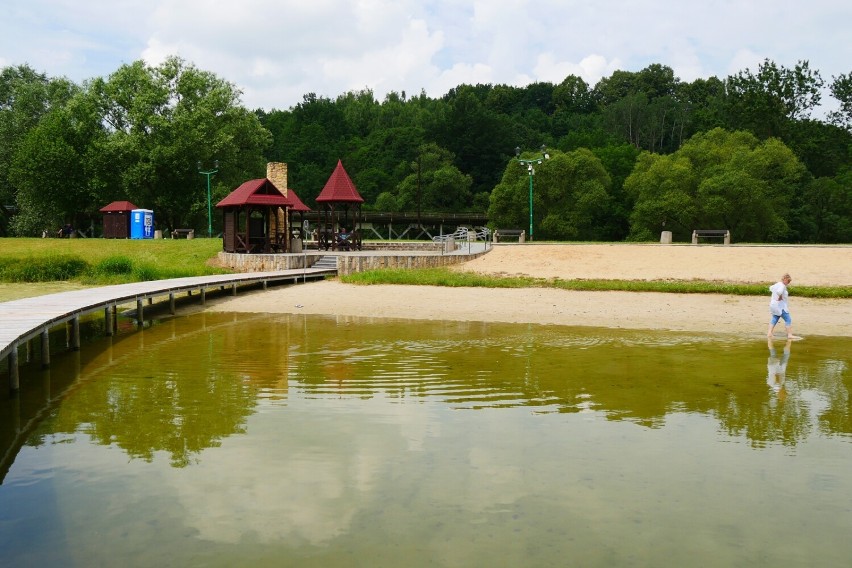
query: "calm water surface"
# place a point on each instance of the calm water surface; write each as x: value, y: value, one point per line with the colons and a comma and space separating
x: 252, y: 440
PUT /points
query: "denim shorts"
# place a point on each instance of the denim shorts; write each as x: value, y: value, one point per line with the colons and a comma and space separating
x: 785, y: 315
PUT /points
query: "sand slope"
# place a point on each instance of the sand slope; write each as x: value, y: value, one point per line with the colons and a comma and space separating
x: 630, y: 310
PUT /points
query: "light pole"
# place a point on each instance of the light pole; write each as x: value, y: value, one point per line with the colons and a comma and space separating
x: 209, y: 204
x: 529, y: 165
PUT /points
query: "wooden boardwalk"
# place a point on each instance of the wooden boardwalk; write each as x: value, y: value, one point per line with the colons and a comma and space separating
x: 28, y: 318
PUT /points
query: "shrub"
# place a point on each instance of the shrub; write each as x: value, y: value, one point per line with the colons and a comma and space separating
x: 114, y: 265
x: 45, y: 269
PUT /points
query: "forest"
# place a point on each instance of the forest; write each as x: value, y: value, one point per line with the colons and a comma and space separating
x: 636, y: 153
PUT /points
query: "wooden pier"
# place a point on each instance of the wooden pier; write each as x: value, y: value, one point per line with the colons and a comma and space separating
x: 22, y: 321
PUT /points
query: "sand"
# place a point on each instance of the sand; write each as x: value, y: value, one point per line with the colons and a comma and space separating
x: 808, y: 265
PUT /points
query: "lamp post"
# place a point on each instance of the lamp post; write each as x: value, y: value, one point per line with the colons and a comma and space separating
x: 529, y: 165
x: 209, y: 173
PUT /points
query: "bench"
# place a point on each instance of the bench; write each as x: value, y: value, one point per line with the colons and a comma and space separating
x: 519, y: 234
x: 711, y: 234
x: 183, y: 233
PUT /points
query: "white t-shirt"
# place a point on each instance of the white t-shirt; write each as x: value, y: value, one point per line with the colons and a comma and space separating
x: 778, y: 301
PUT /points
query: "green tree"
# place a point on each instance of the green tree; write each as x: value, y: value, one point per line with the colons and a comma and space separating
x: 54, y: 169
x: 645, y: 108
x: 25, y: 97
x: 479, y: 138
x: 571, y: 198
x: 381, y: 160
x: 719, y: 180
x: 767, y: 101
x: 824, y: 212
x: 841, y: 89
x: 163, y: 121
x: 434, y: 183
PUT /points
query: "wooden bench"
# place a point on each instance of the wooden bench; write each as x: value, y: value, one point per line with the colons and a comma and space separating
x: 183, y: 233
x: 519, y: 234
x: 711, y: 234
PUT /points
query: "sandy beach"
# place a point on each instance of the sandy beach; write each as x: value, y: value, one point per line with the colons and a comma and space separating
x: 808, y: 265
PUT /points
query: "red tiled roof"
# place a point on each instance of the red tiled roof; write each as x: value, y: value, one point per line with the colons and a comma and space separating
x: 118, y: 206
x: 295, y: 203
x: 255, y: 192
x: 339, y: 188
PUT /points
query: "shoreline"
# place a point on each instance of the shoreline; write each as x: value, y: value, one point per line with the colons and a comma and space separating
x: 711, y: 313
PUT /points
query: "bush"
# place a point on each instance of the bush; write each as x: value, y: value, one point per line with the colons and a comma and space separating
x: 114, y: 265
x: 46, y: 269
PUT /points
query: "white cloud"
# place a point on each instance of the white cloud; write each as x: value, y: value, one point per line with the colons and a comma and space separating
x: 275, y: 51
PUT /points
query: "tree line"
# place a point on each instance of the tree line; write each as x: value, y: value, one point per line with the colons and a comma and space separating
x: 636, y: 153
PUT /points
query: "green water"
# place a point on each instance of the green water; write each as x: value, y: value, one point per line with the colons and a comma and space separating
x: 253, y: 440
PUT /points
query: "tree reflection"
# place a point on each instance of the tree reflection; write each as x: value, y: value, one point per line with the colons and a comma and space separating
x: 171, y: 389
x: 624, y: 375
x: 188, y: 384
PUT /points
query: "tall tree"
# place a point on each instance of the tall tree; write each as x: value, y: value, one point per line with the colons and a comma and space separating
x: 25, y: 97
x: 767, y: 101
x: 841, y: 89
x: 570, y: 195
x: 434, y: 183
x: 163, y: 121
x: 720, y: 179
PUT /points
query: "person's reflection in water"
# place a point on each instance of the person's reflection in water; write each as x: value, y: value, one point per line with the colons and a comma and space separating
x: 777, y: 368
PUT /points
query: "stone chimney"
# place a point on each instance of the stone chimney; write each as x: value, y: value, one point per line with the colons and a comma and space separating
x: 276, y: 172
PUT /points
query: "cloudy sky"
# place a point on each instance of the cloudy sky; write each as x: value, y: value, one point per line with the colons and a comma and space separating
x: 276, y: 51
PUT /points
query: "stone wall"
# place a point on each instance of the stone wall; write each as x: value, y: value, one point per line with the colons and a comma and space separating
x: 346, y: 264
x: 360, y: 263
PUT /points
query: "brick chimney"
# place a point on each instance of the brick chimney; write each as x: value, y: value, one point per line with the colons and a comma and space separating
x: 276, y: 172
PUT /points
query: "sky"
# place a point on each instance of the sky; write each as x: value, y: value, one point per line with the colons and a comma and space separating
x: 276, y: 51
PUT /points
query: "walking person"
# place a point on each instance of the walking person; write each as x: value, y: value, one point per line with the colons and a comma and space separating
x: 778, y: 306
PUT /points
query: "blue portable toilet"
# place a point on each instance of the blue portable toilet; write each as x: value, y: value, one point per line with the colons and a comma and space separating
x: 141, y: 224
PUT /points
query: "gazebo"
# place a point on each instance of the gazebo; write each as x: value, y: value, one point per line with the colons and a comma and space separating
x: 296, y: 205
x: 117, y: 219
x: 255, y: 214
x: 339, y: 193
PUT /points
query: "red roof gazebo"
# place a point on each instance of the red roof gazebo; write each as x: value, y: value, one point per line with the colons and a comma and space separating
x: 341, y: 192
x: 295, y: 205
x: 253, y: 218
x: 117, y: 219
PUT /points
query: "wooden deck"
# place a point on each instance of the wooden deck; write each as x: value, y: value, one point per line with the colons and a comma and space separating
x: 28, y: 318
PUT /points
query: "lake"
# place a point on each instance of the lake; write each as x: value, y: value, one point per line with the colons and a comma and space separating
x: 218, y: 439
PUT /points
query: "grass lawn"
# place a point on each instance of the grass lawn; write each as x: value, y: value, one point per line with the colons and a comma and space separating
x: 31, y: 266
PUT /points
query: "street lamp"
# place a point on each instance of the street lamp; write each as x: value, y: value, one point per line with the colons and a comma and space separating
x: 529, y: 165
x: 209, y: 204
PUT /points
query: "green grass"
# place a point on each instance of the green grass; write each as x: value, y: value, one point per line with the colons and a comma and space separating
x: 96, y: 262
x: 450, y: 278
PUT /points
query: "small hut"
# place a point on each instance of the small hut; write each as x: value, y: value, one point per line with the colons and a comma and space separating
x: 339, y: 196
x: 117, y: 219
x: 255, y: 214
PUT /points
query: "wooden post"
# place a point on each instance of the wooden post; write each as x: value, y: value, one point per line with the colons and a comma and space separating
x: 45, y: 348
x: 172, y: 303
x: 107, y: 321
x: 75, y: 333
x: 140, y: 314
x: 234, y: 289
x: 14, y: 377
x: 203, y: 296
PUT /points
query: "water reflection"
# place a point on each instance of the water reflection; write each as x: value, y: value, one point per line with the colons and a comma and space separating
x: 260, y: 439
x: 188, y: 383
x: 777, y: 368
